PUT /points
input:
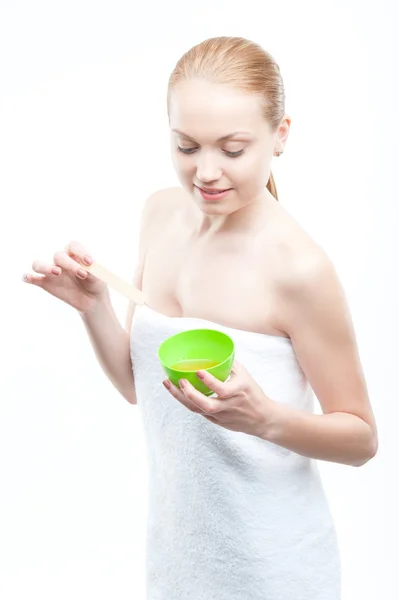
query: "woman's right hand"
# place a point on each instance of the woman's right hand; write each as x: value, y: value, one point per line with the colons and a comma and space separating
x: 68, y: 280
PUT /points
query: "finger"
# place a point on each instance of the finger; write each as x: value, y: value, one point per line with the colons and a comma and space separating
x: 45, y: 268
x: 34, y: 279
x: 205, y: 405
x: 236, y: 369
x: 61, y: 259
x: 221, y: 388
x: 224, y: 390
x: 181, y: 397
x: 79, y: 252
x: 200, y: 406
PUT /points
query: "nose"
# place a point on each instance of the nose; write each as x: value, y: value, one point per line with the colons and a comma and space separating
x: 208, y: 169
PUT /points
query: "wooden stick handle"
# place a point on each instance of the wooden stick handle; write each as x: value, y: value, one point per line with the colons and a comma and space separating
x: 117, y: 283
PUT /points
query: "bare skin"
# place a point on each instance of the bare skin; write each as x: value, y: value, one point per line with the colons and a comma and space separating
x: 67, y: 279
x: 270, y: 278
x: 241, y: 261
x: 244, y: 262
x: 230, y: 278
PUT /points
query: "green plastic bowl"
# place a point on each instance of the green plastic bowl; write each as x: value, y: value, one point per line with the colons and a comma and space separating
x: 187, y: 352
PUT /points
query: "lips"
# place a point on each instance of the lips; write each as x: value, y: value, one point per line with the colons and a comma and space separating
x: 213, y: 190
x: 213, y: 194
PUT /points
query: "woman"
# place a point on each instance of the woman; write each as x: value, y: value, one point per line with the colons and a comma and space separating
x: 237, y: 509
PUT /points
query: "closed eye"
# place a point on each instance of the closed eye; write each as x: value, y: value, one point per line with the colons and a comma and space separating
x: 192, y: 150
x: 186, y: 150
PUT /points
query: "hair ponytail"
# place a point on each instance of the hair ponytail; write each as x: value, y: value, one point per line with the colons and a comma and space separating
x: 271, y: 186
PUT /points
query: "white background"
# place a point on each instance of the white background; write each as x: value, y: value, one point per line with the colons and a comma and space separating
x: 83, y: 141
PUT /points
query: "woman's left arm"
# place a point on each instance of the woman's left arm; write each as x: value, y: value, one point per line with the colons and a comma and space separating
x: 317, y: 319
x: 321, y: 329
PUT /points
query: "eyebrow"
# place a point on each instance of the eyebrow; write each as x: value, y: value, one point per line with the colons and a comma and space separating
x: 224, y: 137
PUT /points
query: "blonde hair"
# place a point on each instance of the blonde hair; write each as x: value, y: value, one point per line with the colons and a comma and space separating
x: 241, y: 63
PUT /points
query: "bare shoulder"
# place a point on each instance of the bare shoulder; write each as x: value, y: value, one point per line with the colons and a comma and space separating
x: 304, y: 274
x: 156, y: 210
x: 312, y: 306
x: 310, y: 290
x: 295, y: 251
x: 159, y: 205
x: 169, y: 196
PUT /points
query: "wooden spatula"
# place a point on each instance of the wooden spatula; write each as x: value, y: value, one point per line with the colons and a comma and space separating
x: 117, y: 283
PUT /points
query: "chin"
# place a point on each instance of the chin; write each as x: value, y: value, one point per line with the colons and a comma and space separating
x: 213, y: 210
x: 216, y: 209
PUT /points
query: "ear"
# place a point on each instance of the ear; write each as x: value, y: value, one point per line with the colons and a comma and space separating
x: 283, y: 132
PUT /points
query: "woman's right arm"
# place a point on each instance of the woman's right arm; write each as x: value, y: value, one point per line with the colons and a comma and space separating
x: 110, y: 341
x: 111, y: 345
x: 90, y: 297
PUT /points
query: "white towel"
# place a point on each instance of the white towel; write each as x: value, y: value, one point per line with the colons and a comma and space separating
x: 230, y: 516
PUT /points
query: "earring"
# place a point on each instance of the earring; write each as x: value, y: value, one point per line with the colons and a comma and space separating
x: 278, y: 153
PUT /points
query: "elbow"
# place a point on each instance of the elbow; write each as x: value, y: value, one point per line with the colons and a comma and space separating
x: 370, y: 452
x: 131, y: 398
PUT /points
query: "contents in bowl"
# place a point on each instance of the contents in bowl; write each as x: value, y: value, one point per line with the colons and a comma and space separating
x: 194, y: 364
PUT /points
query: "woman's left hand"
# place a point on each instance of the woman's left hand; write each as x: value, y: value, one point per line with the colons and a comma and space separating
x: 240, y: 405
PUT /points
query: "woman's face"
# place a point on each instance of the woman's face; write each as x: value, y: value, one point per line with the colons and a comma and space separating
x: 220, y: 140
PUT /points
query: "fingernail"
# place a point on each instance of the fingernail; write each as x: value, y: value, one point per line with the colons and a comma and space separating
x: 200, y: 374
x: 88, y: 260
x: 56, y: 271
x: 166, y: 384
x: 182, y: 383
x: 24, y: 277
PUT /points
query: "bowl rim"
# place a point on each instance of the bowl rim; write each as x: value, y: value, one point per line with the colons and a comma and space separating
x: 209, y: 369
x: 202, y: 329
